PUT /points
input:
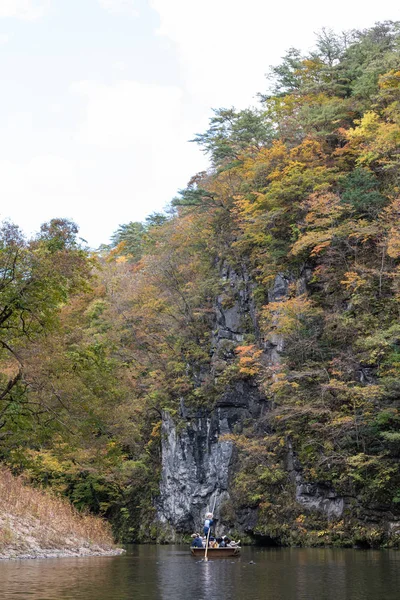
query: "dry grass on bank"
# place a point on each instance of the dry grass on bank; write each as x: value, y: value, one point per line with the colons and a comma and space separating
x: 32, y: 520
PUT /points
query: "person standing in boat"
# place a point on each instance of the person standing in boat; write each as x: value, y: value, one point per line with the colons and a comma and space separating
x: 208, y: 523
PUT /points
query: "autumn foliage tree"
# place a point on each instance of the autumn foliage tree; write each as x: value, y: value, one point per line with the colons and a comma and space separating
x: 37, y: 277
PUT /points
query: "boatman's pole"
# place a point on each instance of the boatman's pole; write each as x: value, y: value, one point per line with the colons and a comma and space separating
x: 208, y: 532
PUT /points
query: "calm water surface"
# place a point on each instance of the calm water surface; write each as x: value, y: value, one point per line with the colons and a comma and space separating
x: 171, y: 573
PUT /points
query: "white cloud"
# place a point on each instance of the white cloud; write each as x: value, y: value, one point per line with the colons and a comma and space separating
x: 126, y: 159
x: 24, y: 9
x: 223, y: 46
x: 56, y: 108
x: 46, y: 186
x: 120, y: 65
x: 137, y: 134
x: 4, y: 38
x: 128, y: 7
x: 129, y: 114
x: 226, y: 46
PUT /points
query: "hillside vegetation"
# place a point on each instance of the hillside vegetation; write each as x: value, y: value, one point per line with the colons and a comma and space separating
x: 304, y: 187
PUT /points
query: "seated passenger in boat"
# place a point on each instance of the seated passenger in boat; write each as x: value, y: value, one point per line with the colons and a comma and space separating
x: 221, y: 542
x: 230, y: 543
x: 197, y: 541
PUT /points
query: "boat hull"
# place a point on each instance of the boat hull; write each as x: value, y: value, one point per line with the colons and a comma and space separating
x: 216, y: 552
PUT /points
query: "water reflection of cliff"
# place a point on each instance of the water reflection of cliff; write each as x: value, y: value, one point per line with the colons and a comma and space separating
x: 182, y: 576
x: 284, y: 574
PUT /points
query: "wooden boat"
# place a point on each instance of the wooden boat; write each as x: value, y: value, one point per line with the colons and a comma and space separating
x: 216, y: 552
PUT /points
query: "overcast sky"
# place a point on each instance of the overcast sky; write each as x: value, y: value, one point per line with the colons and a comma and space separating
x: 100, y: 97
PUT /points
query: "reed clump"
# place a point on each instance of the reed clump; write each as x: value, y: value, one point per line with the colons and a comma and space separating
x: 34, y: 519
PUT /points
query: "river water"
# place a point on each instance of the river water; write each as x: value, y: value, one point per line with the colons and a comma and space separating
x: 171, y: 573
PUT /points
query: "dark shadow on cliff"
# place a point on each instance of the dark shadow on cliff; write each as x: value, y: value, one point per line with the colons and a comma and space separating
x: 265, y: 540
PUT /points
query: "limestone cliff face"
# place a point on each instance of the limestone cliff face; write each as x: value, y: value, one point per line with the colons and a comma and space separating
x: 197, y: 462
x: 195, y: 470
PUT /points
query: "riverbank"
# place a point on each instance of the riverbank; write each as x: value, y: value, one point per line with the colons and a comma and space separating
x: 41, y: 553
x: 35, y: 524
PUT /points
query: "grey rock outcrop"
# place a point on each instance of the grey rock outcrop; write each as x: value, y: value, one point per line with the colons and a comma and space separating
x: 197, y: 460
x: 195, y: 468
x: 280, y: 289
x: 318, y: 497
x: 235, y: 311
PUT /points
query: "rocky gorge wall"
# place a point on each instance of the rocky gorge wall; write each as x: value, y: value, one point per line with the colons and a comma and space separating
x: 199, y: 463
